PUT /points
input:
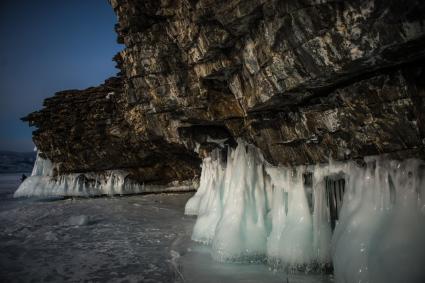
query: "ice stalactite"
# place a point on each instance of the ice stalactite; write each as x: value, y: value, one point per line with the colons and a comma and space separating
x: 381, y: 232
x: 243, y: 207
x: 291, y: 237
x: 211, y: 176
x: 42, y: 167
x: 206, y: 202
x: 250, y: 210
x: 43, y: 182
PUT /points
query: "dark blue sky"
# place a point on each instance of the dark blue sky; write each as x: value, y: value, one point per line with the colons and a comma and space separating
x: 47, y: 46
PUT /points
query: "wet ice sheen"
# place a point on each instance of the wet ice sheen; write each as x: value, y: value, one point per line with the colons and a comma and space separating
x: 248, y: 210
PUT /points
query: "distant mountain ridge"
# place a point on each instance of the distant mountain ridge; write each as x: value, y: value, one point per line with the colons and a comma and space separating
x: 14, y: 162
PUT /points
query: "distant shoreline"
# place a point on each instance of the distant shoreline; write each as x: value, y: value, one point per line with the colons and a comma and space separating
x: 16, y: 162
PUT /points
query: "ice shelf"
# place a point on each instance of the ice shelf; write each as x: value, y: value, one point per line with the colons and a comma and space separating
x: 249, y: 210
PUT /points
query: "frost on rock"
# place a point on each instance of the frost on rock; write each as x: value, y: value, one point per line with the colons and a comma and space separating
x: 44, y: 183
x: 369, y: 221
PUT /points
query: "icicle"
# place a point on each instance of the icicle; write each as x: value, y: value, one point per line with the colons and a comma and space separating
x: 243, y: 208
x: 291, y: 237
x: 43, y: 183
x: 42, y: 167
x: 209, y: 208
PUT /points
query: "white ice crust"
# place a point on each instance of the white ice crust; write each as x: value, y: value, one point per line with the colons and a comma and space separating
x: 248, y: 210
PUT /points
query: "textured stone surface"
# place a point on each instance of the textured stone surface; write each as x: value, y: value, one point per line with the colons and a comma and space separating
x: 302, y: 80
x: 85, y: 131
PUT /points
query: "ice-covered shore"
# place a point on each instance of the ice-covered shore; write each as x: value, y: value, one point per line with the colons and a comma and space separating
x: 43, y: 183
x: 140, y: 238
x: 364, y: 220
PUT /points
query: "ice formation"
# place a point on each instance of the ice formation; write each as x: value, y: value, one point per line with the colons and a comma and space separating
x: 78, y: 220
x: 249, y: 210
x: 43, y: 183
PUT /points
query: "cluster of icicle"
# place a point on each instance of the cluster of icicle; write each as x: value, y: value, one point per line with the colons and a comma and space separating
x: 44, y: 183
x: 248, y: 209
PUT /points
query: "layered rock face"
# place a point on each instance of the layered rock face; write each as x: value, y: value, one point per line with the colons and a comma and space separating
x: 85, y: 131
x: 304, y: 81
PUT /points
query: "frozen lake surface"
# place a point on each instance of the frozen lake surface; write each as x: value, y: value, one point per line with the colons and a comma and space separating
x: 143, y: 238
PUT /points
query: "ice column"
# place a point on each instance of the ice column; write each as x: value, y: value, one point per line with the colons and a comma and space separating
x: 241, y: 230
x: 249, y: 210
x: 381, y: 233
x: 291, y: 237
x: 206, y: 202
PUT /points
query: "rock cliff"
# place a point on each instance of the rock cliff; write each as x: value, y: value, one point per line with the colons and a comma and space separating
x: 304, y: 81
